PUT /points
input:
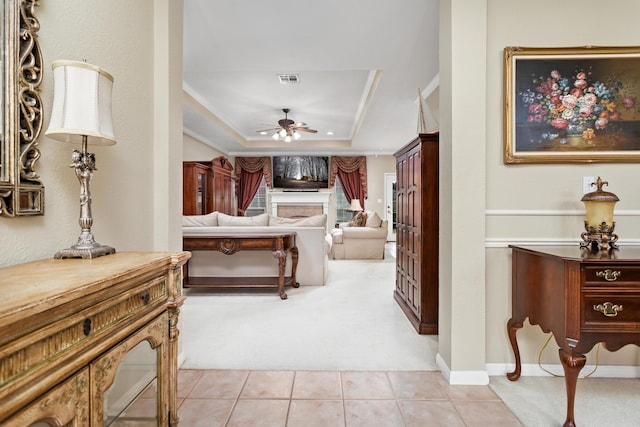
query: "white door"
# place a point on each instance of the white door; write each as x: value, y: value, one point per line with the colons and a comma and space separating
x: 390, y: 204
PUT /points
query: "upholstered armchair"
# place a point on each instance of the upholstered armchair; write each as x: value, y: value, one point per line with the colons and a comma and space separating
x: 360, y: 242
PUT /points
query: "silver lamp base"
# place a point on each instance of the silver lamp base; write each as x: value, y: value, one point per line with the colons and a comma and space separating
x: 84, y: 164
x: 85, y: 252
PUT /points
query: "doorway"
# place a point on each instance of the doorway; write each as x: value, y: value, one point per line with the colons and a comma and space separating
x: 390, y: 204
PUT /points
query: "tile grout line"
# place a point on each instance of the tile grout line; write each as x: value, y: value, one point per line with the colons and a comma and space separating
x: 235, y: 402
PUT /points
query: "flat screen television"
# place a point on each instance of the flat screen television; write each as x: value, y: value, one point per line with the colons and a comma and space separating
x: 301, y: 172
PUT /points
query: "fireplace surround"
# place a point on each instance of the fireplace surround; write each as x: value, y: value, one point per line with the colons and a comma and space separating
x: 299, y: 204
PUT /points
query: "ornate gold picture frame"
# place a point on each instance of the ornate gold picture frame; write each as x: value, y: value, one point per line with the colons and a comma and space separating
x: 566, y: 105
x: 21, y: 189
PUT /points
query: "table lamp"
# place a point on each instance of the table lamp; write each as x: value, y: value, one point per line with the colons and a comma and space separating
x: 355, y: 206
x: 82, y: 114
x: 599, y: 223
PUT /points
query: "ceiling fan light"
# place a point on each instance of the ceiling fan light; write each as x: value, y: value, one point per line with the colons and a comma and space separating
x: 287, y: 138
x: 275, y: 136
x: 282, y: 133
x: 296, y: 135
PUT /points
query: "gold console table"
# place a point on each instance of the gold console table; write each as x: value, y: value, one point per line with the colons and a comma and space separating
x: 68, y: 325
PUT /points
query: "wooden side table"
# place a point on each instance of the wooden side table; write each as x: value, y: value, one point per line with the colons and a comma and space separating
x: 582, y: 297
x: 278, y: 243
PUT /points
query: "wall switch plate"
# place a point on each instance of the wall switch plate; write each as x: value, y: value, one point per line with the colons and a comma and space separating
x: 586, y: 184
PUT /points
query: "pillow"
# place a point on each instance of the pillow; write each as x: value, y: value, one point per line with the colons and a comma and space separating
x: 359, y: 220
x: 311, y: 221
x: 373, y: 220
x: 208, y: 220
x: 243, y: 221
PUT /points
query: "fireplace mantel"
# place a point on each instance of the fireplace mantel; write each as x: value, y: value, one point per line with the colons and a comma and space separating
x: 299, y: 198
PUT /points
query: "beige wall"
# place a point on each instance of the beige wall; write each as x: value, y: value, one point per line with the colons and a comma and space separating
x: 117, y: 35
x: 486, y: 205
x: 167, y: 114
x: 462, y: 190
x: 377, y: 166
x: 517, y: 195
x: 194, y: 150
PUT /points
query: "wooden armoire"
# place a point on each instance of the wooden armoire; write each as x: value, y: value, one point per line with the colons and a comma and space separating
x: 417, y: 232
x: 208, y: 186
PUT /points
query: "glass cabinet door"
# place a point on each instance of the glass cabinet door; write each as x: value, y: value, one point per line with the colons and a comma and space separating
x: 132, y: 398
x: 127, y: 381
x: 201, y: 194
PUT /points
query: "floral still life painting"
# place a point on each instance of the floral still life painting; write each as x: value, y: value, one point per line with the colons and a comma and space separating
x: 572, y: 105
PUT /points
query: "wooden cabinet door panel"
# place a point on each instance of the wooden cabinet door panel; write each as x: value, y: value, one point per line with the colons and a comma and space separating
x: 68, y: 403
x: 417, y: 232
x: 208, y: 186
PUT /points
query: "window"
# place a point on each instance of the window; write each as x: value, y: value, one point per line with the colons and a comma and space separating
x: 259, y: 203
x: 343, y: 214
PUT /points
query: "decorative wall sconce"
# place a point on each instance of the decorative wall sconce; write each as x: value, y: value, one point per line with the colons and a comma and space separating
x: 599, y: 223
x: 82, y: 114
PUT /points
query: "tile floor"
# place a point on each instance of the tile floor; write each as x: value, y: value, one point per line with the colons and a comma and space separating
x: 243, y: 398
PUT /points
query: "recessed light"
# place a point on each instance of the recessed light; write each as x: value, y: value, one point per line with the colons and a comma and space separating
x: 263, y: 133
x: 330, y: 132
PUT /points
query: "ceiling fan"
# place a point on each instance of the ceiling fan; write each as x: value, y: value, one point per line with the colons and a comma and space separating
x: 288, y: 128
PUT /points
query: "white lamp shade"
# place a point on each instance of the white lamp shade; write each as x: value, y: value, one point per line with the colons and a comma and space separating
x: 81, y: 103
x: 355, y: 205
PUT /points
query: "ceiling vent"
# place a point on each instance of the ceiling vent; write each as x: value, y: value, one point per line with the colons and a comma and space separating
x: 287, y: 79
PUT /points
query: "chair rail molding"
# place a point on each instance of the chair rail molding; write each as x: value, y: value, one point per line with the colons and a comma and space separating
x: 504, y: 242
x: 552, y: 212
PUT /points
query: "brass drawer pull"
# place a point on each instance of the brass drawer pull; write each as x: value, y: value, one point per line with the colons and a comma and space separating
x: 609, y: 275
x: 609, y: 309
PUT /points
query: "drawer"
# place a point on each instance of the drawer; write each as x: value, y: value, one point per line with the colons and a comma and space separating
x: 85, y: 330
x: 612, y: 276
x: 615, y: 309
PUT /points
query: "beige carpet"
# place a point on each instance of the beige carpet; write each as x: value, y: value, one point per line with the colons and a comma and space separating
x: 351, y: 323
x: 600, y: 402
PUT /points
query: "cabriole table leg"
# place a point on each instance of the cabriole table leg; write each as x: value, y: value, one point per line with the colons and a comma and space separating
x: 572, y: 364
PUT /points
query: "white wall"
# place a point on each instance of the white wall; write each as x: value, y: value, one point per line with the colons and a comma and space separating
x: 117, y: 35
x: 513, y: 189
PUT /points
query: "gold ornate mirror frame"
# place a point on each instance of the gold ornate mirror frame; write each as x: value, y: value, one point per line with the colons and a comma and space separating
x: 21, y: 191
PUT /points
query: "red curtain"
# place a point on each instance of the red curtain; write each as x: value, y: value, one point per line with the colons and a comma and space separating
x: 352, y: 172
x: 351, y: 184
x: 250, y: 171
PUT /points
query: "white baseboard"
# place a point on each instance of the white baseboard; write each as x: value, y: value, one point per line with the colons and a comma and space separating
x: 530, y: 370
x: 461, y: 377
x: 533, y: 370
